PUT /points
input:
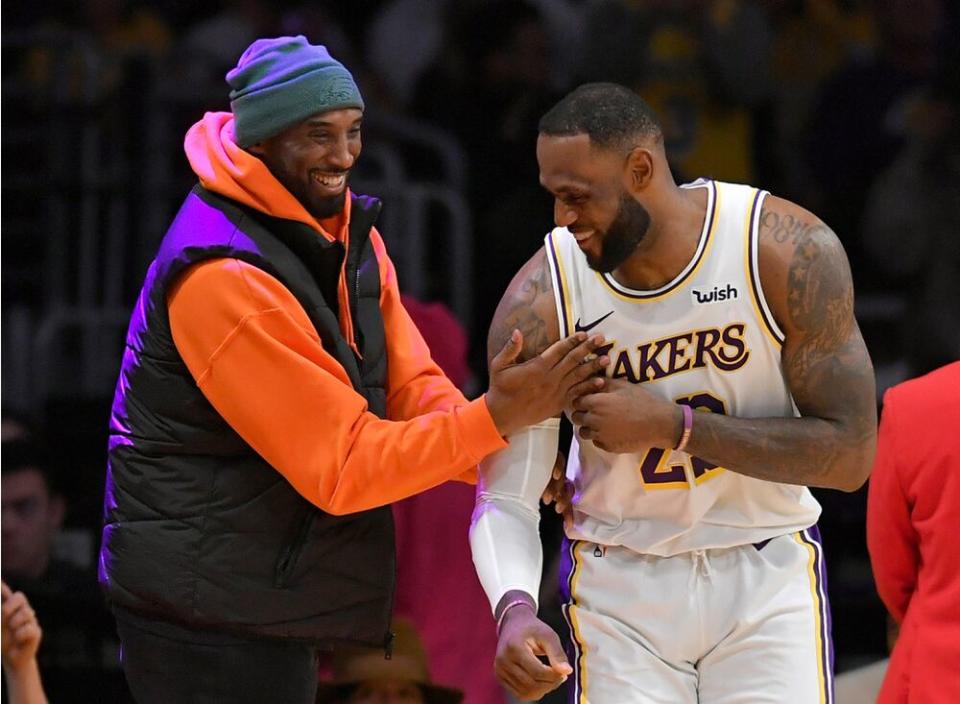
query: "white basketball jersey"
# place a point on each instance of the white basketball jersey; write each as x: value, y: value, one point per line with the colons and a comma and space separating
x: 706, y: 339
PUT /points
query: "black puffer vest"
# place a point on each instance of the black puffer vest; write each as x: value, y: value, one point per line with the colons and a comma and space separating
x: 198, y: 528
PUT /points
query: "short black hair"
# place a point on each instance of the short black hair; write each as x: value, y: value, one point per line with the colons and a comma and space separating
x: 612, y: 115
x: 22, y: 454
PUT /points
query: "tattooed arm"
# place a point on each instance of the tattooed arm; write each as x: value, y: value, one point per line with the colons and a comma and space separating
x: 528, y: 306
x: 807, y: 282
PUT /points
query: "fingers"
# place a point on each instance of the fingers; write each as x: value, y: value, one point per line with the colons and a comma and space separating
x: 559, y: 465
x: 6, y: 590
x: 557, y: 479
x: 586, y: 372
x: 583, y: 389
x: 520, y: 684
x: 588, y: 433
x: 581, y: 358
x: 23, y: 616
x: 509, y: 353
x: 518, y: 666
x: 562, y: 349
x: 528, y: 679
x: 13, y: 603
x: 555, y: 655
x: 564, y: 498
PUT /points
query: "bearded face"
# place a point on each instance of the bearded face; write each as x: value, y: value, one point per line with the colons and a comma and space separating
x: 622, y: 237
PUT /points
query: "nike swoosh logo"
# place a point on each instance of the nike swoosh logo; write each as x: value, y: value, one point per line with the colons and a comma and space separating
x: 587, y: 328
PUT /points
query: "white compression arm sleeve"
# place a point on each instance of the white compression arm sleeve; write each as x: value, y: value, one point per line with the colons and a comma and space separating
x: 505, y: 530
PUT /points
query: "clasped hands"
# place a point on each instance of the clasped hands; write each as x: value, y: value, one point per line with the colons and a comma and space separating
x: 618, y: 416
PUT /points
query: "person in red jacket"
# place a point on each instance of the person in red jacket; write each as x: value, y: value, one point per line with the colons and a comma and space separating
x: 913, y: 510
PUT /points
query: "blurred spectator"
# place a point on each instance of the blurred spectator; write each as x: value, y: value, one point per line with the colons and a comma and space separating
x: 489, y: 88
x: 812, y: 40
x: 399, y: 55
x: 911, y: 225
x: 857, y: 124
x: 702, y: 71
x: 79, y: 659
x: 366, y: 677
x: 21, y: 638
x: 433, y: 555
x: 13, y: 427
x: 82, y: 51
x: 32, y: 511
x: 209, y: 47
x: 912, y: 512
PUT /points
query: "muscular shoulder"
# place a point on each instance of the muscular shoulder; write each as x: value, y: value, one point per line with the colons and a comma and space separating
x: 803, y: 268
x: 528, y: 306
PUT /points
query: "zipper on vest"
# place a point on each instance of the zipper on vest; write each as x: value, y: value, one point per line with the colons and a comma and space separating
x: 388, y: 645
x: 287, y: 560
x: 355, y: 312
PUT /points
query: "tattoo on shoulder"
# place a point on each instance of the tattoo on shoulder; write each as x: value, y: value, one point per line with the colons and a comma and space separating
x: 782, y: 227
x: 527, y: 306
x: 820, y: 307
x: 819, y: 290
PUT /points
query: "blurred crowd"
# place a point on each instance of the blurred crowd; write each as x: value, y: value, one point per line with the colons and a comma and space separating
x: 846, y: 107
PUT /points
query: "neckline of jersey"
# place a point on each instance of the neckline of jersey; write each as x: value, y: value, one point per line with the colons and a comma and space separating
x: 709, y: 222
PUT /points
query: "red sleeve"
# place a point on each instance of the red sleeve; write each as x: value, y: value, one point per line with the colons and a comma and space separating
x: 256, y: 357
x: 891, y: 539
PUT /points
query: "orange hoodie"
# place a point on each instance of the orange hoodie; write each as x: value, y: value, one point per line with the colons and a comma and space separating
x: 257, y: 358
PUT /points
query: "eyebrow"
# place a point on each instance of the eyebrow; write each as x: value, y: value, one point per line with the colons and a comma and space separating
x: 327, y: 123
x: 566, y: 189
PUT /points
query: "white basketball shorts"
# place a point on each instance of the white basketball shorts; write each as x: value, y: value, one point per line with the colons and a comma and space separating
x: 749, y: 624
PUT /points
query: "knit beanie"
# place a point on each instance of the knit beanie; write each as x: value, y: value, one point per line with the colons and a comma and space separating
x: 280, y: 82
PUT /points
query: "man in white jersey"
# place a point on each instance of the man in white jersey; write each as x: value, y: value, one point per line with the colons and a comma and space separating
x: 736, y: 378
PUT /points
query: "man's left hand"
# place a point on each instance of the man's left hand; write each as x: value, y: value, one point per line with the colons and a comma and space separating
x: 625, y: 417
x: 559, y: 490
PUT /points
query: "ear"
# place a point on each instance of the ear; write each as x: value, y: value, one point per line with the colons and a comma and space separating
x: 639, y: 170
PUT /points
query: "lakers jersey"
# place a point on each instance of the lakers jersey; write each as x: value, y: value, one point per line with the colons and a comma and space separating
x: 706, y: 339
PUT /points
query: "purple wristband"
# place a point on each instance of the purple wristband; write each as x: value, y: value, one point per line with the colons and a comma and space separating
x: 687, y: 427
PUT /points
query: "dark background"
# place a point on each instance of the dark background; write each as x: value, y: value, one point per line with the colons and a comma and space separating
x: 847, y: 108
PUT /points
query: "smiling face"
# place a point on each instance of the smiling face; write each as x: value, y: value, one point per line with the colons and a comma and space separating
x: 313, y: 158
x: 590, y: 199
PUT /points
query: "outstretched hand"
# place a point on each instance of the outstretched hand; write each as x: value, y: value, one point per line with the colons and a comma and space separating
x: 526, y: 393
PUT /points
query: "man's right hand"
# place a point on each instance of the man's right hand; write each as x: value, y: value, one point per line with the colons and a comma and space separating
x: 525, y: 394
x: 21, y: 632
x: 523, y: 637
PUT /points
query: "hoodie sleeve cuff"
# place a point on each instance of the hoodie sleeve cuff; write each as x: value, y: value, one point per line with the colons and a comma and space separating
x: 477, y: 429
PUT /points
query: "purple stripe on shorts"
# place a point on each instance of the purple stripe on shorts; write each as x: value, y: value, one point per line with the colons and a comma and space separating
x: 574, y: 652
x: 811, y: 537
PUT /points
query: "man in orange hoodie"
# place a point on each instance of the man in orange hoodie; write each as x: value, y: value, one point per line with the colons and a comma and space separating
x: 275, y: 397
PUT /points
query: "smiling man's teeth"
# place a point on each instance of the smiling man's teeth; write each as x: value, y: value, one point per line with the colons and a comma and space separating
x: 330, y: 181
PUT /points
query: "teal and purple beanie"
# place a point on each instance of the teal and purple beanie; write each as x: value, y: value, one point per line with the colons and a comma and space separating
x: 280, y: 82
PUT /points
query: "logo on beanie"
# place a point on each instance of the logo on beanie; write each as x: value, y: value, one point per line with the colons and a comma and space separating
x: 338, y: 92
